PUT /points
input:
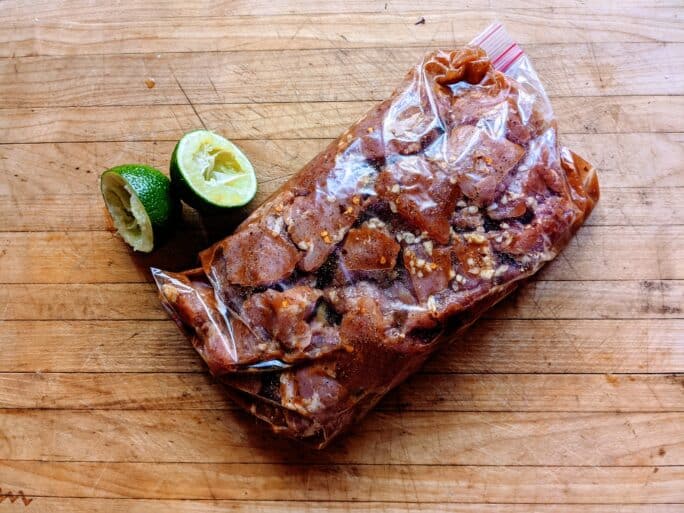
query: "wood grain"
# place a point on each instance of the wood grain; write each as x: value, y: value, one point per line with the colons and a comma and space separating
x: 407, y: 484
x: 407, y: 438
x: 305, y: 120
x: 68, y: 505
x: 348, y: 30
x: 501, y: 346
x: 424, y: 392
x: 162, y: 9
x: 599, y: 69
x: 568, y: 397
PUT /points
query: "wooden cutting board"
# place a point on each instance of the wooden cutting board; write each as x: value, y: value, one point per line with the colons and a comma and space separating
x: 569, y: 397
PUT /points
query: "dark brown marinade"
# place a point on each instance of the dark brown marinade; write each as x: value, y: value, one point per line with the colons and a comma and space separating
x: 388, y: 244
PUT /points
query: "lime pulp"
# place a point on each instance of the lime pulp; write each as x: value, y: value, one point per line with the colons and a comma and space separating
x: 211, y: 172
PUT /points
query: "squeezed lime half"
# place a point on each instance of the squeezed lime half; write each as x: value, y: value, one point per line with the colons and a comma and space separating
x: 212, y: 173
x: 141, y: 204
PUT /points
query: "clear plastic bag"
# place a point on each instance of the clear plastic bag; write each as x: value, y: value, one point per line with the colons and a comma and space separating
x: 388, y: 244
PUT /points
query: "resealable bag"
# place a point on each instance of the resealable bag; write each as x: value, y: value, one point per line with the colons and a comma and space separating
x: 422, y: 215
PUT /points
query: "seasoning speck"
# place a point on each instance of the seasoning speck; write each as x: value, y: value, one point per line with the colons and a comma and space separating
x: 475, y: 238
x: 150, y: 83
x: 170, y: 292
x: 487, y: 274
x: 421, y: 21
x: 500, y: 270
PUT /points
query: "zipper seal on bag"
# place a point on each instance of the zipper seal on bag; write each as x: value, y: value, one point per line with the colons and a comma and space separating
x: 502, y: 50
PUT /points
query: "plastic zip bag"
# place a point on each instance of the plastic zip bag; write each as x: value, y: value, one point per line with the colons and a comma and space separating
x: 388, y: 244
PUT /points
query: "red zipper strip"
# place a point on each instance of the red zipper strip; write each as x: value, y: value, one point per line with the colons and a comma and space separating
x: 501, y: 55
x: 505, y: 67
x: 494, y: 29
x: 500, y: 47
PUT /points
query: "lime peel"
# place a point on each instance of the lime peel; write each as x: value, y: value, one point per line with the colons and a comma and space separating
x: 139, y: 199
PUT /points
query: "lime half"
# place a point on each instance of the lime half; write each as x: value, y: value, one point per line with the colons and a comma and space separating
x: 211, y: 172
x: 140, y: 202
